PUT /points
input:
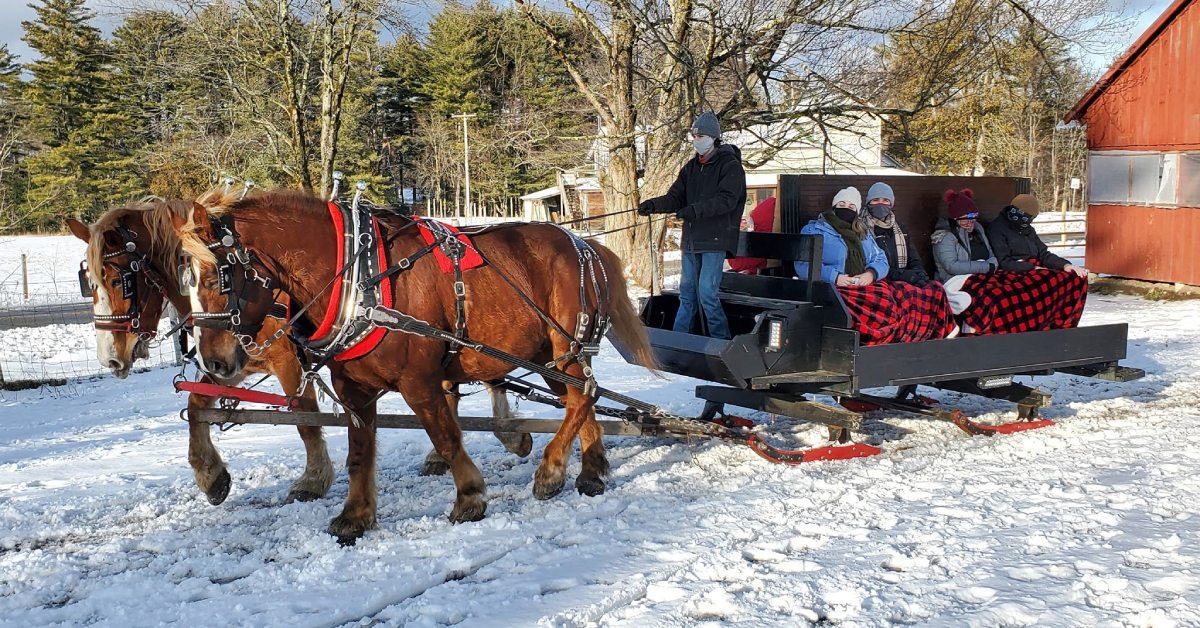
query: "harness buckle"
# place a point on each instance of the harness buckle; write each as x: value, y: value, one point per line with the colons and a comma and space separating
x: 460, y: 289
x: 403, y: 264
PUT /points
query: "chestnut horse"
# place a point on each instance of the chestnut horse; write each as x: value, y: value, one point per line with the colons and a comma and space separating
x: 289, y: 239
x: 156, y: 248
x: 149, y: 223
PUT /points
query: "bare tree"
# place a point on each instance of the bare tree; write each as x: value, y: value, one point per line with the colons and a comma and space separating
x: 787, y: 65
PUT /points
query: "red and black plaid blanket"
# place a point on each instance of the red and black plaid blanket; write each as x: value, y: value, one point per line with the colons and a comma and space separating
x: 886, y: 312
x: 1006, y: 302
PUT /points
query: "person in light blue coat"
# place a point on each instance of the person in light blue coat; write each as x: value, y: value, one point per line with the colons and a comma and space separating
x: 849, y: 254
x: 880, y: 311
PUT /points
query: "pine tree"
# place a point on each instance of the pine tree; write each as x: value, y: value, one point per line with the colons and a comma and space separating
x: 81, y: 169
x: 14, y: 142
x: 399, y: 100
x: 68, y: 75
x: 455, y: 59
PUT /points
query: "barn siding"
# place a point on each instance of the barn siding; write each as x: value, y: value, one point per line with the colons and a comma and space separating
x: 1144, y: 242
x: 1154, y: 104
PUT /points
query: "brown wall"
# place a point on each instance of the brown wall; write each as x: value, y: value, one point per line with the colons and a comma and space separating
x: 1144, y: 242
x: 1155, y: 103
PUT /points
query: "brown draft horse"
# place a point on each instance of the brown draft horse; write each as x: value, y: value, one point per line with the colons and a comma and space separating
x: 293, y: 243
x: 154, y: 238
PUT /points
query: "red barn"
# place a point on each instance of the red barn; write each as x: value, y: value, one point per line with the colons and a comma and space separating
x: 1143, y: 130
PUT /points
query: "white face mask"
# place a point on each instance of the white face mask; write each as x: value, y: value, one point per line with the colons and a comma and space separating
x: 702, y: 144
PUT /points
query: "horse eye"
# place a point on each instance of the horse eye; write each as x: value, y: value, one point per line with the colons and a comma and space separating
x: 116, y: 282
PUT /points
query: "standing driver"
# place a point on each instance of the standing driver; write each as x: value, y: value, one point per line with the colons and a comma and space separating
x: 708, y: 196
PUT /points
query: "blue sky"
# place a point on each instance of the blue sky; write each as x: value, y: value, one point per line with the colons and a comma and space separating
x: 13, y: 12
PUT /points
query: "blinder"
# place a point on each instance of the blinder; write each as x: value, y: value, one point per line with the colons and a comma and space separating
x: 187, y: 277
x: 85, y: 284
x: 235, y: 254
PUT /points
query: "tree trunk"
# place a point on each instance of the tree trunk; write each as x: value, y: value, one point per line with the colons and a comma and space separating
x: 620, y: 180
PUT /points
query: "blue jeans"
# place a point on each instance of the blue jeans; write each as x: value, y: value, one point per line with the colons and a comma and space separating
x: 700, y: 280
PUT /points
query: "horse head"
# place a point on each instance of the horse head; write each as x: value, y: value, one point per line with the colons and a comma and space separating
x: 127, y: 274
x: 233, y: 291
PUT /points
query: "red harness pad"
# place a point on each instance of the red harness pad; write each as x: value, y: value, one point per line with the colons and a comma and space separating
x: 471, y: 257
x: 335, y: 300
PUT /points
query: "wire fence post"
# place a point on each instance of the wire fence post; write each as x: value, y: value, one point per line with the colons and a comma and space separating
x: 25, y: 276
x: 173, y: 316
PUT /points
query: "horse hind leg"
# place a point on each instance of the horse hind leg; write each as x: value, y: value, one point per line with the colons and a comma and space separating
x: 580, y: 421
x: 595, y: 461
x: 519, y: 443
x: 314, y: 483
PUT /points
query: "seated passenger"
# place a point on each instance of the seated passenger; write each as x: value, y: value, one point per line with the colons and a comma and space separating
x: 761, y: 220
x: 881, y: 312
x: 987, y: 299
x: 904, y: 262
x: 1018, y: 246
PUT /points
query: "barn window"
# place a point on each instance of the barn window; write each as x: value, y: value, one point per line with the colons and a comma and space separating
x: 1133, y: 178
x: 1108, y: 178
x: 1189, y: 181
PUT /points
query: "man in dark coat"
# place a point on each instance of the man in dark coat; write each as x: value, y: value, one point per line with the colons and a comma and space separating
x: 708, y: 196
x: 904, y: 262
x: 1016, y: 243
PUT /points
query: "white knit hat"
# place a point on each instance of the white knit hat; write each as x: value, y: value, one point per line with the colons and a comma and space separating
x: 850, y: 194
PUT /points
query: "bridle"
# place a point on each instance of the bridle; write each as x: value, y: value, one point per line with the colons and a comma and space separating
x: 139, y: 263
x: 230, y: 253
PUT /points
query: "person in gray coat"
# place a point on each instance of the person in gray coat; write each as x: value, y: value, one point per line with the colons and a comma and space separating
x: 960, y: 246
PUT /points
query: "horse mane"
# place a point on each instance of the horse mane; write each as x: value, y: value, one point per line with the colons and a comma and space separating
x: 219, y: 202
x: 156, y: 214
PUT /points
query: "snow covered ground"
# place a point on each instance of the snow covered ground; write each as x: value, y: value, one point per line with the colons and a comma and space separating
x: 1091, y: 522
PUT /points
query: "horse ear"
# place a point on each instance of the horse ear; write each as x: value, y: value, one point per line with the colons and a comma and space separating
x: 199, y: 215
x: 80, y: 230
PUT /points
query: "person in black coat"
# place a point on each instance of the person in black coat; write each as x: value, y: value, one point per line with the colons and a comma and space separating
x: 904, y: 262
x: 1017, y: 245
x: 708, y: 196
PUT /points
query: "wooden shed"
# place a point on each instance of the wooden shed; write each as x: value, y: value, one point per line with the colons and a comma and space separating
x: 1143, y: 130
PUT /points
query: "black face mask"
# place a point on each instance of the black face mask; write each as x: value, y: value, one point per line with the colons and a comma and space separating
x: 1016, y: 215
x: 879, y: 210
x: 845, y: 213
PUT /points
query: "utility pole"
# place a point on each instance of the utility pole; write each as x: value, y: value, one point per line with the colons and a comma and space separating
x: 466, y: 162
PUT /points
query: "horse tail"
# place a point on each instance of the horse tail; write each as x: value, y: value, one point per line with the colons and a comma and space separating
x: 627, y: 325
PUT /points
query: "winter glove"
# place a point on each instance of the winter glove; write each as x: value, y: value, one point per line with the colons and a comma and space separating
x: 646, y: 208
x: 686, y: 212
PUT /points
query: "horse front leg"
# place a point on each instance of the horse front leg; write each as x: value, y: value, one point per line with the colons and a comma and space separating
x: 211, y: 474
x: 358, y: 512
x: 318, y: 468
x: 432, y: 408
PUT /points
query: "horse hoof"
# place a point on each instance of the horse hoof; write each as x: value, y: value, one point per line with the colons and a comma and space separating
x: 525, y: 446
x: 220, y: 489
x: 348, y: 531
x: 590, y: 487
x: 547, y: 485
x: 301, y: 496
x: 468, y: 510
x: 435, y: 467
